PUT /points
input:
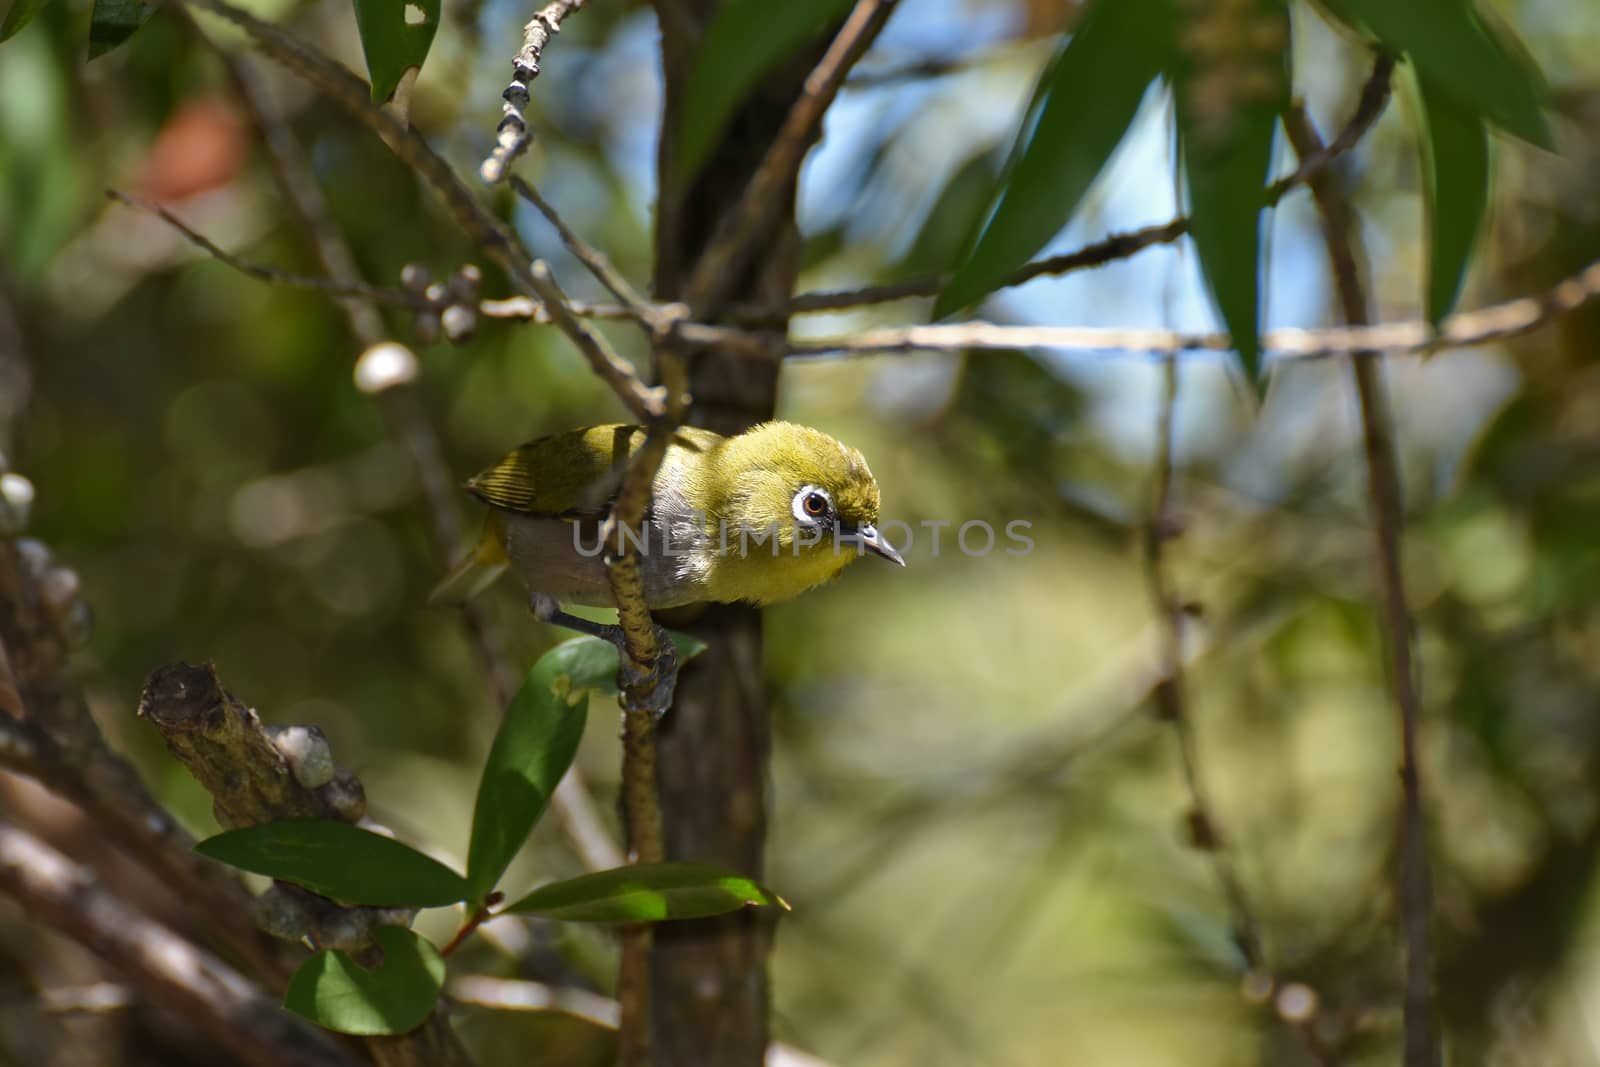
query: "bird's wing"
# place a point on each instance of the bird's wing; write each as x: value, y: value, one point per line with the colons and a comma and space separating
x: 575, y: 473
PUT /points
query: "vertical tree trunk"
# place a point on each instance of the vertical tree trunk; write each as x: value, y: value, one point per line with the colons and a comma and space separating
x: 709, y: 978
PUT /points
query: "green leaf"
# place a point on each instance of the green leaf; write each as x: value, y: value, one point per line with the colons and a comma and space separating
x: 397, y: 995
x: 535, y: 745
x: 1456, y: 166
x: 646, y: 892
x: 1483, y: 66
x: 1226, y: 157
x: 395, y: 36
x: 113, y: 22
x: 341, y: 861
x: 1087, y: 99
x: 745, y: 40
x: 21, y: 13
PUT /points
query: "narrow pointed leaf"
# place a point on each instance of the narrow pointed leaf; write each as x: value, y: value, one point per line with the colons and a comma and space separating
x: 1226, y: 144
x: 647, y: 892
x: 395, y: 36
x: 334, y: 991
x: 113, y: 22
x: 1226, y: 195
x: 19, y: 15
x: 537, y: 741
x: 535, y: 745
x: 1457, y: 186
x: 341, y: 861
x: 1482, y: 65
x: 1085, y: 103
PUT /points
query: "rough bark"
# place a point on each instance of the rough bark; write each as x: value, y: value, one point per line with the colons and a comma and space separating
x: 709, y: 978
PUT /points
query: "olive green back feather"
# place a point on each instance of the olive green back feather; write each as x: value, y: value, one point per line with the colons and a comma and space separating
x: 575, y: 473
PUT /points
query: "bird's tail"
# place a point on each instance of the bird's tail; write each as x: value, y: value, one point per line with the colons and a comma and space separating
x: 486, y: 563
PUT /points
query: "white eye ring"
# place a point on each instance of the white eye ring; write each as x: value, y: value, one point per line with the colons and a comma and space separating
x: 812, y: 497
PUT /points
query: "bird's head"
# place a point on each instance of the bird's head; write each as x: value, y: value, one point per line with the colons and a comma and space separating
x: 796, y: 506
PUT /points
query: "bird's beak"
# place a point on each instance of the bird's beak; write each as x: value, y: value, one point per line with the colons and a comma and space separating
x: 874, y: 542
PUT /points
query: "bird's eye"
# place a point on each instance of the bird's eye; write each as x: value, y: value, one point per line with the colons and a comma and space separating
x: 812, y: 505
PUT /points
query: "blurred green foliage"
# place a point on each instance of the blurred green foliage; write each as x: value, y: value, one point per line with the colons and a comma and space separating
x: 977, y: 817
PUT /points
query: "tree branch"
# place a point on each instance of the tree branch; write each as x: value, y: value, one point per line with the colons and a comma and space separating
x: 204, y: 990
x: 1466, y: 329
x: 512, y: 136
x: 1171, y: 699
x: 255, y: 776
x: 409, y: 423
x: 1415, y: 890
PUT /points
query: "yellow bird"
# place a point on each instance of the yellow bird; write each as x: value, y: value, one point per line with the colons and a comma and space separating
x: 759, y: 517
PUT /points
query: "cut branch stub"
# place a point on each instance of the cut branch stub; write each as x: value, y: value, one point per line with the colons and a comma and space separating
x: 225, y: 746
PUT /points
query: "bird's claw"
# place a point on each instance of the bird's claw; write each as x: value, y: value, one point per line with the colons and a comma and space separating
x: 650, y: 689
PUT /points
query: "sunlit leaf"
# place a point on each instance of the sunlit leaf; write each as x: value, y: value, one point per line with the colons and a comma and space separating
x: 1227, y: 150
x: 745, y: 40
x: 341, y: 861
x: 1479, y: 63
x: 646, y: 892
x: 397, y: 995
x: 535, y: 745
x: 1457, y: 171
x: 1087, y: 100
x: 20, y: 14
x: 113, y: 22
x: 395, y: 36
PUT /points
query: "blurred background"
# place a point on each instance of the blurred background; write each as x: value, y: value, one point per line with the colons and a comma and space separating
x: 977, y: 815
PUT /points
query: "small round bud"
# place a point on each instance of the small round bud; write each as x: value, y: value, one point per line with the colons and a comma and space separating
x: 438, y: 295
x: 76, y: 623
x: 305, y: 749
x: 459, y: 321
x: 347, y: 928
x: 1256, y: 987
x: 35, y: 556
x: 426, y: 327
x: 384, y: 366
x: 59, y: 592
x: 16, y: 504
x: 59, y: 587
x: 1297, y: 1003
x: 284, y: 913
x: 466, y: 282
x: 344, y: 796
x: 415, y: 277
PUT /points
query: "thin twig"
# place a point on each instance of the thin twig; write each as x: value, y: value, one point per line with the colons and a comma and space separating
x: 916, y: 70
x: 1466, y: 329
x: 1171, y: 699
x: 408, y: 420
x: 654, y: 319
x: 338, y: 84
x: 647, y: 403
x: 1415, y: 891
x: 1171, y: 694
x: 743, y: 229
x: 333, y: 286
x: 511, y: 136
x: 202, y: 988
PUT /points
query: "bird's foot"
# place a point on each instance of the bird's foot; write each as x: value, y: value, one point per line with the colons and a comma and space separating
x: 650, y: 689
x: 655, y: 685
